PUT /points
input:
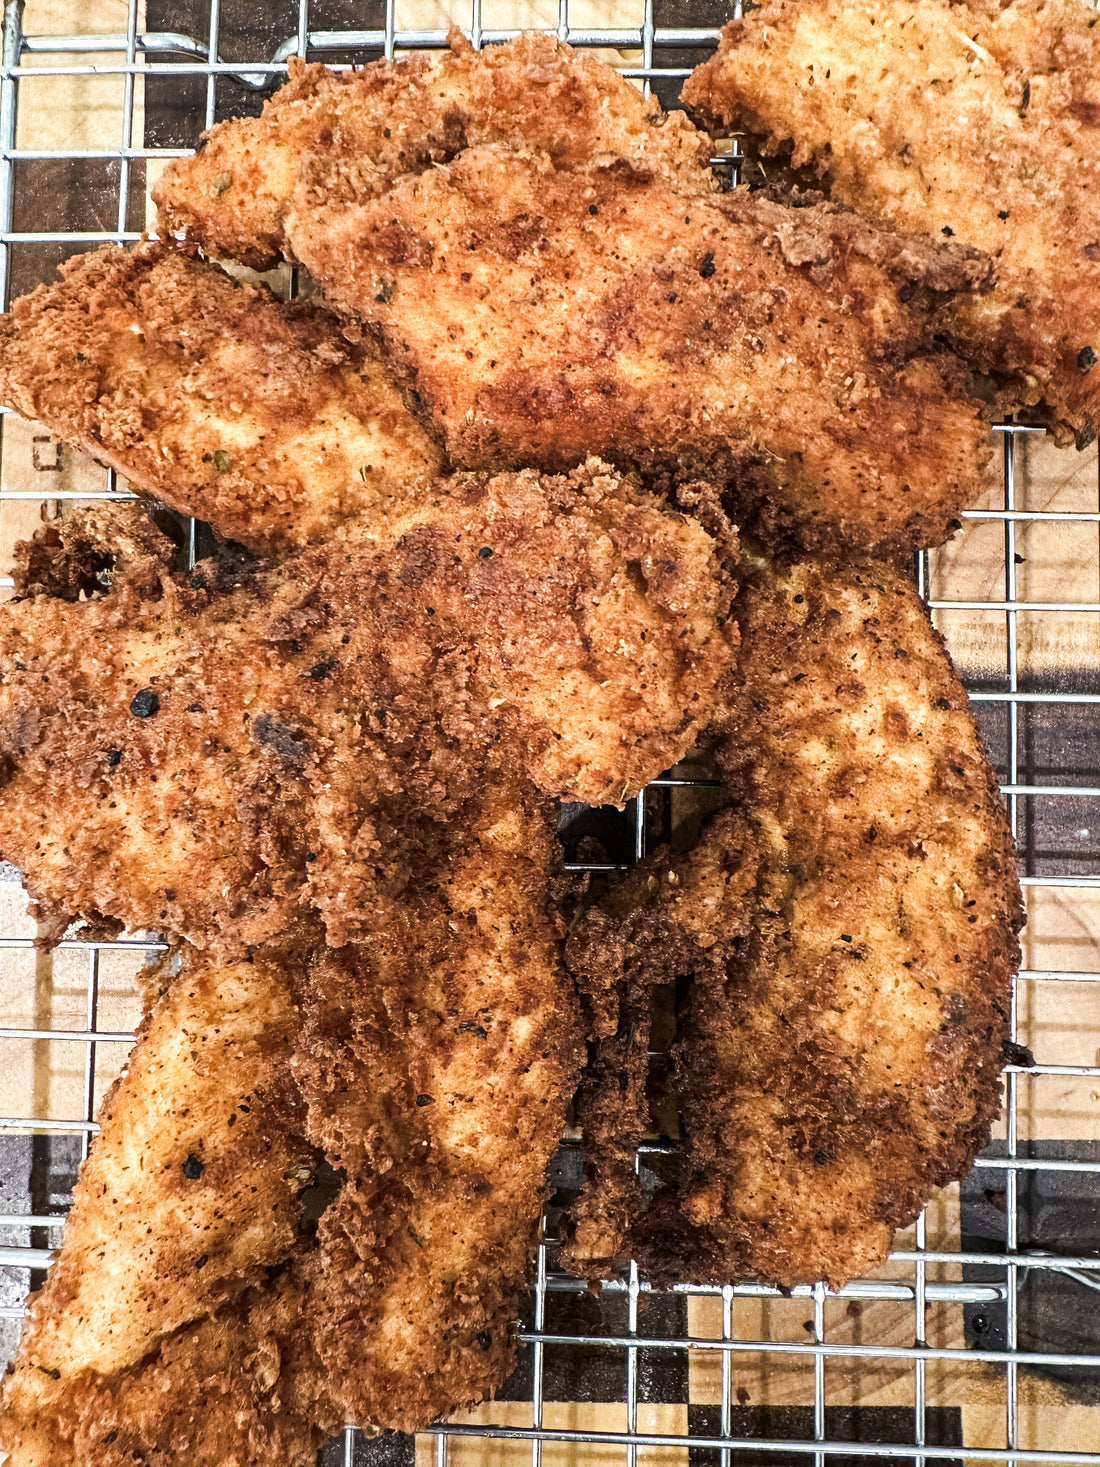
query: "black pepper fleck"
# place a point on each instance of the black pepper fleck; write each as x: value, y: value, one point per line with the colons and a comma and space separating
x: 593, y: 208
x: 114, y: 756
x: 192, y: 1168
x: 202, y: 1260
x: 485, y: 1340
x: 947, y: 230
x: 1086, y: 359
x: 708, y: 267
x: 144, y: 704
x: 1002, y: 214
x: 485, y: 552
x: 424, y: 1100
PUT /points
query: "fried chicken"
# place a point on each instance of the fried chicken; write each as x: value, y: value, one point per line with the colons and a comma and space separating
x: 355, y: 133
x: 213, y: 396
x: 426, y: 1076
x: 979, y: 121
x: 215, y: 755
x: 542, y: 314
x: 194, y: 1184
x: 849, y: 925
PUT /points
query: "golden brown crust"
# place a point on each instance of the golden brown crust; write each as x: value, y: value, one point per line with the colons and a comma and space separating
x: 431, y: 1070
x: 982, y: 120
x: 213, y: 396
x: 192, y: 1187
x: 842, y: 1046
x: 214, y: 755
x: 355, y: 133
x: 542, y: 314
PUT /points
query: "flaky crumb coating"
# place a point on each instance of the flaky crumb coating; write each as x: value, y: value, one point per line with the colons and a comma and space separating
x: 355, y: 133
x: 213, y: 754
x: 542, y: 314
x: 424, y: 1079
x: 849, y: 925
x: 212, y: 396
x: 980, y: 121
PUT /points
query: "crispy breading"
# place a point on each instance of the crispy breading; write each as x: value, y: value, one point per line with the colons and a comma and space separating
x: 431, y: 1068
x: 641, y: 933
x: 213, y: 396
x: 193, y: 1185
x: 214, y: 755
x: 849, y: 925
x: 356, y: 132
x: 976, y: 120
x: 542, y: 314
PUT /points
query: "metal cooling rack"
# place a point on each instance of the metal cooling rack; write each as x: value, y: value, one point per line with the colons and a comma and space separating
x: 225, y: 75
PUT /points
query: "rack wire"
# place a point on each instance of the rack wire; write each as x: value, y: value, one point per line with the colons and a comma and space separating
x: 737, y: 1374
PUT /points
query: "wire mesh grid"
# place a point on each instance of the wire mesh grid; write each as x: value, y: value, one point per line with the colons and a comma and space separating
x: 973, y: 1343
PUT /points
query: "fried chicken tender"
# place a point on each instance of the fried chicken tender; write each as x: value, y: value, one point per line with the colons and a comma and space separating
x: 849, y: 925
x: 542, y: 314
x: 355, y: 133
x: 430, y: 1071
x: 978, y: 120
x: 213, y: 396
x: 215, y: 755
x: 193, y: 1185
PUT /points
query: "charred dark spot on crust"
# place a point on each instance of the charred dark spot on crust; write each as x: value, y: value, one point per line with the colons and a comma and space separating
x: 53, y: 1374
x: 469, y: 1027
x: 192, y: 1168
x: 907, y: 291
x: 944, y: 704
x: 202, y: 1260
x: 1086, y: 359
x: 958, y: 1008
x: 320, y: 670
x: 1017, y: 1054
x: 267, y: 730
x: 144, y: 703
x: 485, y: 1340
x: 822, y: 1156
